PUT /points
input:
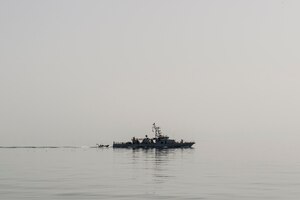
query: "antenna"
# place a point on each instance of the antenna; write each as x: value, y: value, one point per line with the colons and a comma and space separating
x: 157, y: 130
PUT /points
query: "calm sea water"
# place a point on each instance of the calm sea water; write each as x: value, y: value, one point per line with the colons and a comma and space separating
x: 90, y: 173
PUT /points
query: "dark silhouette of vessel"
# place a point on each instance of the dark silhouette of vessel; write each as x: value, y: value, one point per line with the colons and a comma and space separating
x: 102, y: 145
x: 159, y: 141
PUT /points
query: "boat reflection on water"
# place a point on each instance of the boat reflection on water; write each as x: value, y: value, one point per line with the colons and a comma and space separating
x: 158, y: 165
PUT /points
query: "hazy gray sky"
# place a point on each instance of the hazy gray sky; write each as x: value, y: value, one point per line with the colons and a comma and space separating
x: 81, y: 72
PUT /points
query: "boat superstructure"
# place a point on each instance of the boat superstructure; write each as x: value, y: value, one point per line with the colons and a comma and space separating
x: 159, y: 141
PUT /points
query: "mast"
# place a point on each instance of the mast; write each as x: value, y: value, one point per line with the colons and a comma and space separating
x: 157, y: 131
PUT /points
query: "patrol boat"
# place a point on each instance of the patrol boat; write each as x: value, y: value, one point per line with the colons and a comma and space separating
x: 159, y: 141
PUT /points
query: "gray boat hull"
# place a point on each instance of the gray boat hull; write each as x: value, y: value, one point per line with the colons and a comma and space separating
x: 154, y: 145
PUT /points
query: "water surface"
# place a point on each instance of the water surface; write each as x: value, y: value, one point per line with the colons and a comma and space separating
x: 91, y: 173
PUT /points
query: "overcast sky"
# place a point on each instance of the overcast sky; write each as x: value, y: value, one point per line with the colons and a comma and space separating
x: 84, y: 72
